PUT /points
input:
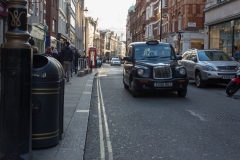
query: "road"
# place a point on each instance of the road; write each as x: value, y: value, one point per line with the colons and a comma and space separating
x: 203, y: 125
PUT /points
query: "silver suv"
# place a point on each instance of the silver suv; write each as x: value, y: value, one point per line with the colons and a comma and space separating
x: 209, y: 66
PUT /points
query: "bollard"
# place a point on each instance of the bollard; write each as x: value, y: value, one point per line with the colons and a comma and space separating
x: 91, y: 65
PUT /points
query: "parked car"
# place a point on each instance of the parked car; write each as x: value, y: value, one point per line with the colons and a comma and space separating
x: 115, y: 61
x: 209, y: 66
x: 152, y: 66
x: 99, y: 62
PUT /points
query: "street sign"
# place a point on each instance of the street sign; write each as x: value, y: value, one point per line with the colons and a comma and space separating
x: 191, y: 24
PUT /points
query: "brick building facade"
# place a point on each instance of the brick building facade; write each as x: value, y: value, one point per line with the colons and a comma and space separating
x: 181, y: 21
x: 52, y: 21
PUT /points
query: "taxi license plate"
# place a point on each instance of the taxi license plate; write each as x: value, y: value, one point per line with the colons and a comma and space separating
x: 228, y: 77
x: 169, y: 84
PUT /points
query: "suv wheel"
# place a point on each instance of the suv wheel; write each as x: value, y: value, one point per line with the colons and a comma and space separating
x: 199, y: 81
x: 134, y: 92
x: 182, y: 93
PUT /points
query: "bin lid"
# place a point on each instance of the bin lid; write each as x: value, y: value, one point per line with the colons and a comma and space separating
x: 60, y: 67
x: 45, y: 68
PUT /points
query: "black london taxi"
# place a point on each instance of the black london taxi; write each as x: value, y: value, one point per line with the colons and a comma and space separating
x: 152, y: 66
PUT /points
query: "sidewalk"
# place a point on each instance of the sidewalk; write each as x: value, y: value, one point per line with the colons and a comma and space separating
x: 77, y: 99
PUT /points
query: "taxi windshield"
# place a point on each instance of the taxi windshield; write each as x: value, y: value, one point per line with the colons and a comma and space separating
x: 156, y: 51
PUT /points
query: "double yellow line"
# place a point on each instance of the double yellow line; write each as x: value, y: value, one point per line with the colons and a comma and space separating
x: 101, y: 112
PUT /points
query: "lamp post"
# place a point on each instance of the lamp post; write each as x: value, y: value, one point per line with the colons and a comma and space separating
x: 85, y: 10
x: 161, y: 24
x: 16, y: 80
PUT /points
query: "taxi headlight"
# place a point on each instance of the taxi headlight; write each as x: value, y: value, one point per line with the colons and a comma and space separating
x: 140, y: 71
x: 182, y: 71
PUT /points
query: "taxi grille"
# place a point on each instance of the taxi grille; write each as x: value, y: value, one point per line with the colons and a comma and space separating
x: 162, y: 72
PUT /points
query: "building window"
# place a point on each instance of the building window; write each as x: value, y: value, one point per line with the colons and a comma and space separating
x: 159, y: 7
x: 72, y: 21
x: 164, y: 3
x: 179, y: 22
x: 148, y: 13
x: 151, y: 11
x: 41, y: 14
x: 73, y: 6
x: 173, y: 24
x: 54, y: 3
x: 54, y: 26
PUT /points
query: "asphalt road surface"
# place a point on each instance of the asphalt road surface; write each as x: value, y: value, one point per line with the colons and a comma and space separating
x: 205, y: 125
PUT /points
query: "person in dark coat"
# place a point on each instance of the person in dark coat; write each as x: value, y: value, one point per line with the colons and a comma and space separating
x: 66, y: 57
x: 75, y: 62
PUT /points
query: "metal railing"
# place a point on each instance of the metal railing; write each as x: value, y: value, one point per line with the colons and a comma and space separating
x: 82, y: 64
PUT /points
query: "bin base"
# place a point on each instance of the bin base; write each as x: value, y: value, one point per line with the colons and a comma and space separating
x: 40, y: 144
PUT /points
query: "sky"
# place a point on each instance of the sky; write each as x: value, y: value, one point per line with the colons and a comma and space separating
x: 111, y: 14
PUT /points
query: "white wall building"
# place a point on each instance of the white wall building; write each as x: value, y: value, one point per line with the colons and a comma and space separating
x: 62, y: 24
x: 121, y: 49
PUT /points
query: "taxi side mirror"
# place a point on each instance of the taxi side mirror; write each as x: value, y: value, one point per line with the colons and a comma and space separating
x: 179, y: 57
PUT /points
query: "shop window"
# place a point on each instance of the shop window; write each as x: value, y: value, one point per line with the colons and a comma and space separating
x: 197, y: 43
x: 221, y: 37
x: 173, y: 24
x: 237, y: 33
x: 54, y: 26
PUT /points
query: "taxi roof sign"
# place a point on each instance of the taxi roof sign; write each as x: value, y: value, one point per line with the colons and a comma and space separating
x: 152, y: 42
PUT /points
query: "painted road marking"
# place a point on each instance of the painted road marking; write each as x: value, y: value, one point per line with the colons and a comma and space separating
x: 100, y: 101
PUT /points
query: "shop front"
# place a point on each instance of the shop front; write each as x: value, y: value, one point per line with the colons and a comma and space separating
x: 38, y: 34
x: 51, y: 41
x: 60, y: 41
x: 182, y: 41
x: 225, y: 35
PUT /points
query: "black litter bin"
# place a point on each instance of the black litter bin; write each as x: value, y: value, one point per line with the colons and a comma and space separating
x: 46, y: 93
x: 61, y: 98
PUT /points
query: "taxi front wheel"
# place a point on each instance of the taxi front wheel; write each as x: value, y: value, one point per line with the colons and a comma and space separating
x: 182, y: 93
x: 125, y: 85
x: 134, y: 92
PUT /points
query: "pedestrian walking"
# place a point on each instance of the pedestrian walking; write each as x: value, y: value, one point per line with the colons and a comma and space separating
x: 236, y: 53
x: 55, y: 53
x: 72, y: 64
x: 76, y: 56
x: 48, y: 50
x: 66, y: 56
